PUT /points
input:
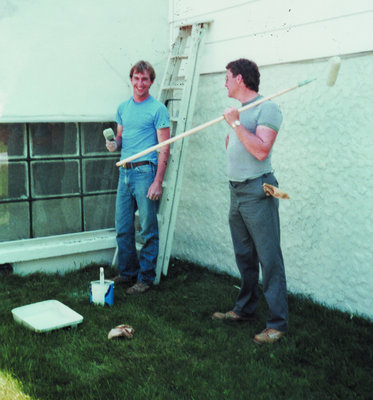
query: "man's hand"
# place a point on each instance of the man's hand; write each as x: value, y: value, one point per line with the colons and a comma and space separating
x: 155, y: 191
x: 231, y: 115
x: 114, y: 145
x: 111, y: 145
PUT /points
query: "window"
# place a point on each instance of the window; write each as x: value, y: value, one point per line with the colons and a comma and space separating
x: 55, y: 178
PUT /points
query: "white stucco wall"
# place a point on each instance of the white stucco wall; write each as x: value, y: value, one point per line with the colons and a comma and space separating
x: 68, y: 60
x: 323, y: 157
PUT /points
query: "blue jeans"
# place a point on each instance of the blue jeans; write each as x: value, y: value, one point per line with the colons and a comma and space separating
x: 133, y: 187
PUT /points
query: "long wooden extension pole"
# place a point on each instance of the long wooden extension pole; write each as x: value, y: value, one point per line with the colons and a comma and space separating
x: 206, y: 125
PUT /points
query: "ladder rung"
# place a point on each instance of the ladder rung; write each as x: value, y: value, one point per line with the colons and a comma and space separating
x: 180, y: 56
x: 173, y: 88
x: 168, y: 100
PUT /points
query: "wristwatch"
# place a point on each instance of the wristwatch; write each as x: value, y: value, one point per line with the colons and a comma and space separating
x: 236, y: 123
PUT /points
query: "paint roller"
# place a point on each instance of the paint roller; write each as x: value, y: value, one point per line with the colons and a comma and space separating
x: 109, y: 134
x: 335, y: 63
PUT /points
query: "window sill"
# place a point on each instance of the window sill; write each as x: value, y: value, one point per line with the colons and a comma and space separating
x: 59, y: 253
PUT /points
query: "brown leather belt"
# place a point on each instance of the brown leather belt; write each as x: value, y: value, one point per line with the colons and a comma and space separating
x: 135, y: 164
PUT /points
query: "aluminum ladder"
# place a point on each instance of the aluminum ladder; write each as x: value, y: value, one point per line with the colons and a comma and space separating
x: 178, y: 92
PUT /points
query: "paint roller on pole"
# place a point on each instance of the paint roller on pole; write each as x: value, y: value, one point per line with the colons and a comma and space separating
x: 334, y: 69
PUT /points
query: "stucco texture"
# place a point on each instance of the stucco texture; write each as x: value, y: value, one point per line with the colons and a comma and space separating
x: 323, y: 157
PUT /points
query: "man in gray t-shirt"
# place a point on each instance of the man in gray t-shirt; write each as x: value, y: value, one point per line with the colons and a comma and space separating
x: 241, y: 164
x: 253, y: 217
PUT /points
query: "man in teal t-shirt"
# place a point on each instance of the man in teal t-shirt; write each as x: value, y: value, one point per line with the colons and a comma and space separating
x: 142, y: 122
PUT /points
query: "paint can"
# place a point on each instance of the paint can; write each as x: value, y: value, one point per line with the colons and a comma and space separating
x: 102, y: 292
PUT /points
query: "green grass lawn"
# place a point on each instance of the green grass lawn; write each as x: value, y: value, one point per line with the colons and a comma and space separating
x: 178, y: 351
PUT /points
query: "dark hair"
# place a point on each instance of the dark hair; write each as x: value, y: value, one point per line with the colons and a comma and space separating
x: 142, y: 66
x: 248, y: 70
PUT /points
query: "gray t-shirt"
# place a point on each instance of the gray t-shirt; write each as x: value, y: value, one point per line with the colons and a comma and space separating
x: 241, y: 165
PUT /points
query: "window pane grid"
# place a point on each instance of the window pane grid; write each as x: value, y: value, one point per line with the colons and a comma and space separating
x: 55, y: 178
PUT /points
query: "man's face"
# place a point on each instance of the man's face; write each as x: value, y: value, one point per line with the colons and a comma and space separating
x: 141, y: 84
x: 231, y: 83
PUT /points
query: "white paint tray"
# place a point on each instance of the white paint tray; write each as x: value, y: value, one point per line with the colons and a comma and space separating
x: 46, y: 316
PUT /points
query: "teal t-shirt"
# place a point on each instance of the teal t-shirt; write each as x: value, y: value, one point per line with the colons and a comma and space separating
x: 140, y: 122
x: 241, y: 165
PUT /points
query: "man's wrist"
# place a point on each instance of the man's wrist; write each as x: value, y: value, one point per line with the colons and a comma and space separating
x: 118, y: 143
x: 236, y: 123
x: 158, y: 181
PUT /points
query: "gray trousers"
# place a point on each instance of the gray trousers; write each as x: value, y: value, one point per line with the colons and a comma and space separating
x: 255, y: 229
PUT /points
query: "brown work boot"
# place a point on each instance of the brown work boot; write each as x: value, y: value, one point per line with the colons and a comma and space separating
x: 269, y: 335
x: 138, y: 287
x: 231, y: 316
x: 122, y: 280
